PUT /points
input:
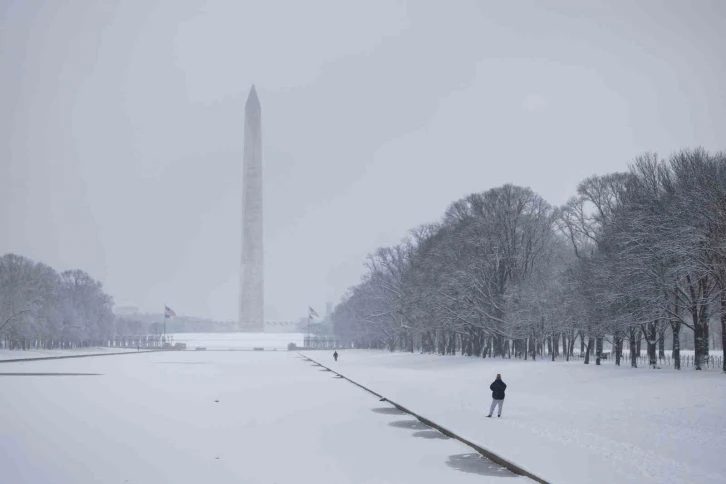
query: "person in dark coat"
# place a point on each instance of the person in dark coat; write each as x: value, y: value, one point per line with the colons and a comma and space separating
x: 497, y: 389
x: 335, y: 356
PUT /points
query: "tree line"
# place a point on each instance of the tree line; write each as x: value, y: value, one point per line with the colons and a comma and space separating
x: 634, y: 258
x: 41, y: 308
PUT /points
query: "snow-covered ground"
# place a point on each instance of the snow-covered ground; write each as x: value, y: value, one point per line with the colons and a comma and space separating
x: 565, y: 422
x: 22, y: 354
x: 215, y: 417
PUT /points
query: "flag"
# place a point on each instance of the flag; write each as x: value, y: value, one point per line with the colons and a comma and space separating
x: 169, y: 312
x: 312, y: 313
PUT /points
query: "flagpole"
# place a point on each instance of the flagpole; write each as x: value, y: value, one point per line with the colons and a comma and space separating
x: 164, y: 323
x: 310, y: 316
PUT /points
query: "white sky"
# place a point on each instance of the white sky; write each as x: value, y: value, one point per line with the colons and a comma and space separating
x: 121, y: 126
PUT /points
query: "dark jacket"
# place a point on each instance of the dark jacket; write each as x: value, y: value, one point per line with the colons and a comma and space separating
x: 497, y: 389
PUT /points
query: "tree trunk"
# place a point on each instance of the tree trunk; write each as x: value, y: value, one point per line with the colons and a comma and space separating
x: 598, y: 350
x: 618, y: 340
x: 676, y: 327
x: 639, y: 341
x: 699, y: 314
x: 651, y: 334
x: 590, y: 345
x: 705, y: 324
x: 571, y: 349
x: 701, y: 336
x: 633, y: 347
x: 723, y: 323
x: 478, y: 343
x: 582, y: 343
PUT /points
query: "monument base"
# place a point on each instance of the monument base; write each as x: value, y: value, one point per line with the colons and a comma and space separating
x: 246, y: 328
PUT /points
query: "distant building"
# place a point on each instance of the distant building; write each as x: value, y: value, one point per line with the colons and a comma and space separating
x: 125, y: 310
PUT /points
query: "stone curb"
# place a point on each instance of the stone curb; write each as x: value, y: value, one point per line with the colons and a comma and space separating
x: 41, y: 358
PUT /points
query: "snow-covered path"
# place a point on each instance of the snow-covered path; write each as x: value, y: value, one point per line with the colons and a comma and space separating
x: 565, y: 422
x: 153, y: 418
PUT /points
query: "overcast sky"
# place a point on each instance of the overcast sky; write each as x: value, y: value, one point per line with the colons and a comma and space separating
x: 121, y: 126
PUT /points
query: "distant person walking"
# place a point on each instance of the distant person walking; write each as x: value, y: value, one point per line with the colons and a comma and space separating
x: 335, y: 356
x: 497, y: 389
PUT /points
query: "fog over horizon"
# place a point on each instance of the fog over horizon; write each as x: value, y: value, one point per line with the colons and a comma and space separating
x: 121, y: 133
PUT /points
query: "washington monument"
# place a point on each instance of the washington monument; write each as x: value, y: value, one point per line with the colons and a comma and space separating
x: 252, y: 294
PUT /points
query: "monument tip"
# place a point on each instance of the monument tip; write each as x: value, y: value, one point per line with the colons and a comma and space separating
x: 253, y: 101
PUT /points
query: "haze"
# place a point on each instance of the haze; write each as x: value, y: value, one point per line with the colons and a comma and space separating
x: 121, y: 126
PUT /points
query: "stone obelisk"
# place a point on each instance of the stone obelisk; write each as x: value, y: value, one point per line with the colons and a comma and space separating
x: 251, y: 301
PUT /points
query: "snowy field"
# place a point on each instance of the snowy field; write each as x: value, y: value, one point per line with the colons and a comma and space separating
x: 214, y: 417
x: 565, y: 422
